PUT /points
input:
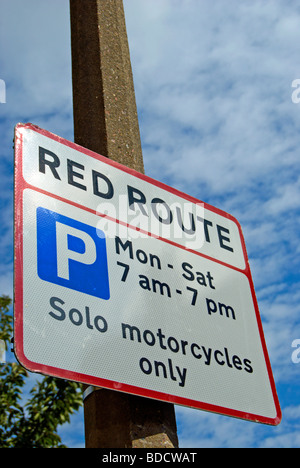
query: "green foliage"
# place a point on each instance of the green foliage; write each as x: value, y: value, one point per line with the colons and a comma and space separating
x: 32, y: 424
x: 6, y: 320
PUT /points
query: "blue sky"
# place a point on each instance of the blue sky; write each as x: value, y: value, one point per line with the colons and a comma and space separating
x: 213, y: 85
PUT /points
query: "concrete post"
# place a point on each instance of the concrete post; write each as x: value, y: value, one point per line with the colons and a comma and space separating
x: 105, y: 121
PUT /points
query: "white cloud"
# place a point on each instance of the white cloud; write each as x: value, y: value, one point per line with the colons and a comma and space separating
x: 219, y: 94
x: 35, y: 60
x: 207, y: 430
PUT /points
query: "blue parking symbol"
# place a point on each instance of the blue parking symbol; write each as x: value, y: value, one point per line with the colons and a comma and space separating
x: 71, y: 254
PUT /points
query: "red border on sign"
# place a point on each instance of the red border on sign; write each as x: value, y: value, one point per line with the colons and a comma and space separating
x: 20, y: 186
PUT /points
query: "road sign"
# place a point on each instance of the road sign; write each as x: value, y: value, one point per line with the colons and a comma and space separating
x: 125, y: 283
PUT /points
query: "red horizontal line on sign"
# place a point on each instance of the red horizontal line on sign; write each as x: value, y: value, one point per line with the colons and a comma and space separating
x: 142, y: 231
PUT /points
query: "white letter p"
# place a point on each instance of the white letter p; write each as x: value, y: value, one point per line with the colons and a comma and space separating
x: 64, y: 254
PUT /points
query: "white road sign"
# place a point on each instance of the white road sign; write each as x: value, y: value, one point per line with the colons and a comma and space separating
x: 125, y: 283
